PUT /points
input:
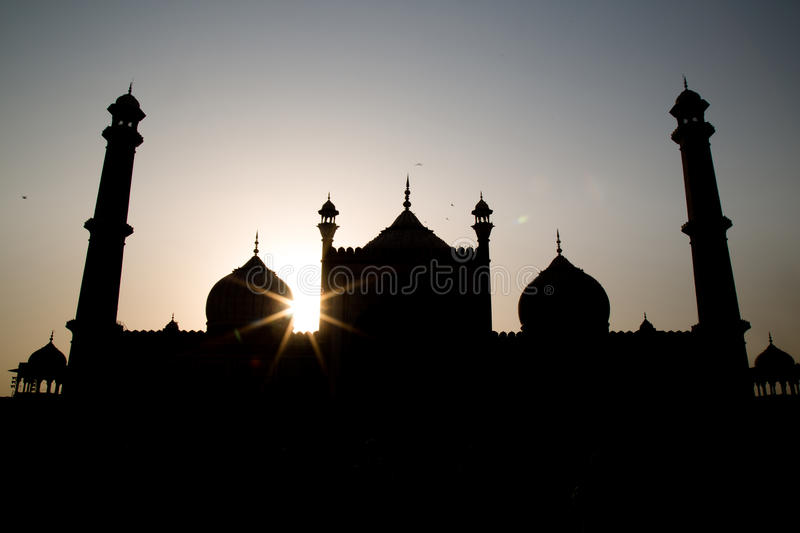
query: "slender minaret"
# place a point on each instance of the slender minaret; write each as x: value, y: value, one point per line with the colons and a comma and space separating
x: 327, y: 224
x: 483, y: 229
x: 95, y: 329
x: 327, y: 228
x: 720, y: 327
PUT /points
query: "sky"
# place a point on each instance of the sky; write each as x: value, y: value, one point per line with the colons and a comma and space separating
x: 556, y: 111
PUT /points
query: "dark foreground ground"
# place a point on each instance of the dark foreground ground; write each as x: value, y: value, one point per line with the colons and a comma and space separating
x: 537, y: 471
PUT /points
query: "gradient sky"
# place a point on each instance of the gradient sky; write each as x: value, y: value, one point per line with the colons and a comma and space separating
x: 557, y: 111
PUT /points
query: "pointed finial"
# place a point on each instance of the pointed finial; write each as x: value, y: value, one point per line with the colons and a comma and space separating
x: 407, y: 204
x: 255, y: 250
x: 645, y: 315
x: 685, y: 85
x: 130, y: 87
x: 329, y: 196
x: 51, y: 335
x: 173, y: 317
x: 770, y: 337
x: 558, y: 243
x: 481, y: 195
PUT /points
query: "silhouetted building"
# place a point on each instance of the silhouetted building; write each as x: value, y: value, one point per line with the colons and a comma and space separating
x: 405, y: 369
x: 44, y: 373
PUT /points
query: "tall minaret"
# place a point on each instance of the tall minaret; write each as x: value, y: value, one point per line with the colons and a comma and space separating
x: 94, y: 328
x: 483, y: 229
x: 327, y: 228
x: 719, y: 323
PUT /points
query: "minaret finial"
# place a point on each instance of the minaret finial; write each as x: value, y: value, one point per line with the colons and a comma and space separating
x: 329, y: 196
x: 558, y: 243
x: 685, y: 85
x: 481, y: 195
x: 173, y: 317
x: 130, y: 87
x: 255, y: 250
x: 645, y: 315
x: 53, y: 332
x: 770, y: 337
x: 407, y: 204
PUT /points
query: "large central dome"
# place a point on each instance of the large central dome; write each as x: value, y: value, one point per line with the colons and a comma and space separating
x: 252, y: 296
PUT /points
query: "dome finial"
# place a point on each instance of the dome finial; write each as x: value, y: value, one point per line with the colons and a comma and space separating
x: 770, y: 337
x: 52, y: 332
x: 685, y: 85
x: 558, y: 243
x: 130, y: 86
x: 329, y: 196
x: 255, y: 250
x: 645, y: 315
x: 407, y: 204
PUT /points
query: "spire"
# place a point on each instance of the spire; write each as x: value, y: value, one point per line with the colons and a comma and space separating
x: 255, y: 250
x: 685, y: 85
x: 558, y: 243
x: 407, y: 204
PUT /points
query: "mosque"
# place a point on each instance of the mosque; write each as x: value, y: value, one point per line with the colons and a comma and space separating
x: 405, y: 346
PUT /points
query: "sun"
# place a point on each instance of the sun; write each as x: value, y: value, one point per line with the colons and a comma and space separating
x: 305, y: 312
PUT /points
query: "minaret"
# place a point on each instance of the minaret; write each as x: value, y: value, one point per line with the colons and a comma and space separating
x: 719, y: 324
x: 483, y: 229
x: 327, y: 224
x: 95, y: 328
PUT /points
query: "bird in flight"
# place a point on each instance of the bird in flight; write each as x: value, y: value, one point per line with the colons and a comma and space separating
x: 24, y: 197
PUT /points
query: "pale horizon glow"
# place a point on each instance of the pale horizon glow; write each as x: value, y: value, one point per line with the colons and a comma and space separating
x: 557, y: 112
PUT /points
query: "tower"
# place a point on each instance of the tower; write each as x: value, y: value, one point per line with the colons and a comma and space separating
x: 483, y: 228
x: 720, y: 328
x: 327, y: 224
x: 95, y: 329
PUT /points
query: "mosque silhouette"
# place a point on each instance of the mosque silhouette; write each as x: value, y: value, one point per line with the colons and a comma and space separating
x: 406, y: 385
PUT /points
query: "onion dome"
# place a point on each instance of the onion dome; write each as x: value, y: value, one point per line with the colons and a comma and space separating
x: 564, y: 298
x: 773, y: 359
x: 328, y: 210
x: 47, y: 360
x: 252, y: 295
x: 406, y: 232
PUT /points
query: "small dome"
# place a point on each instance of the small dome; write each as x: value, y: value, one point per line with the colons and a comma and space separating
x: 482, y: 208
x: 773, y: 359
x: 646, y: 326
x: 687, y: 96
x: 128, y: 99
x: 328, y: 209
x: 172, y: 326
x: 251, y: 293
x: 47, y: 360
x: 564, y: 298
